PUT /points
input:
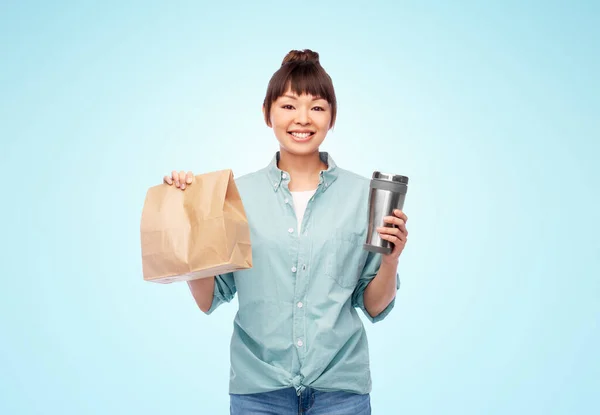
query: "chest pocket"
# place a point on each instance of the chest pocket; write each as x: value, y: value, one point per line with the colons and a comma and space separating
x: 344, y: 258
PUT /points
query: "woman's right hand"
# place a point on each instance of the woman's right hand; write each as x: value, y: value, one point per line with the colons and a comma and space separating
x: 181, y: 179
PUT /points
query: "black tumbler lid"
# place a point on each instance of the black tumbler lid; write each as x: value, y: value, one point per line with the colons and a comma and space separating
x: 390, y: 177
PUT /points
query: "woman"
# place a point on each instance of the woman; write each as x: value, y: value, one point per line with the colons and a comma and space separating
x: 298, y: 344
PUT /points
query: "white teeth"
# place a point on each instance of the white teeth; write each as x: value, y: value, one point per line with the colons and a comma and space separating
x: 301, y: 135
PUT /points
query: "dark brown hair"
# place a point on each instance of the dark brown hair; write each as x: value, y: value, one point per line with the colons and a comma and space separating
x: 302, y: 72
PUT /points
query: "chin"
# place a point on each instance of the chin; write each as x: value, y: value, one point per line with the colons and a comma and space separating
x: 299, y: 149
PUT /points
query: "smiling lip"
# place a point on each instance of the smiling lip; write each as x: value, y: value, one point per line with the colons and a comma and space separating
x: 301, y: 136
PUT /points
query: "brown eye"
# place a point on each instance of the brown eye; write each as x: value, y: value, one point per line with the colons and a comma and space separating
x: 319, y: 108
x: 287, y: 107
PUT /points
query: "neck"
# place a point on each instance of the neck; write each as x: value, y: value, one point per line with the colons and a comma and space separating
x: 303, y: 169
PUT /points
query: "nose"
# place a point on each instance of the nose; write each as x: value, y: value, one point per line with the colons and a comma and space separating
x: 302, y: 117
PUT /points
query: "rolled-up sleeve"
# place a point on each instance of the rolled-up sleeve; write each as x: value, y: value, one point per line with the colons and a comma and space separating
x: 369, y: 272
x: 224, y: 290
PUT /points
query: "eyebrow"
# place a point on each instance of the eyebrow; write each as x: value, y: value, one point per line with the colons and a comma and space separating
x: 295, y: 98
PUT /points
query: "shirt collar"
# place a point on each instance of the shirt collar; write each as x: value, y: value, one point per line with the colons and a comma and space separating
x: 327, y: 177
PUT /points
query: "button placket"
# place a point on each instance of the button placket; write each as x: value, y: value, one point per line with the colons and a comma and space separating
x: 302, y: 280
x: 299, y: 314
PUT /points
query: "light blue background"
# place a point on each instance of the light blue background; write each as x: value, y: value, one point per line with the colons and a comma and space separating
x: 492, y: 110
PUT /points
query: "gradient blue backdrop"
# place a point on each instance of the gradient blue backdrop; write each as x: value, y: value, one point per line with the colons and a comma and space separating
x: 492, y: 110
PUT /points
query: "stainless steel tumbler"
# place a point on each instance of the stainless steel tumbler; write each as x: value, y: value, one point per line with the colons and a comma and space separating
x: 387, y: 192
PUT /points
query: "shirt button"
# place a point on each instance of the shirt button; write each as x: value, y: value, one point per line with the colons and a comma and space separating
x: 286, y: 201
x: 284, y: 176
x: 300, y: 304
x: 294, y: 269
x: 291, y: 230
x: 299, y: 343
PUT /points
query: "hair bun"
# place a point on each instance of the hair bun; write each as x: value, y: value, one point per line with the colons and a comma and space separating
x: 305, y: 55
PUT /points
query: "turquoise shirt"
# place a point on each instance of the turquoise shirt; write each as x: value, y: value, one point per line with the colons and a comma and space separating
x: 297, y: 323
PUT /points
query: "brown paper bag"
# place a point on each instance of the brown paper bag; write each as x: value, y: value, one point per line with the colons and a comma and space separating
x: 196, y: 233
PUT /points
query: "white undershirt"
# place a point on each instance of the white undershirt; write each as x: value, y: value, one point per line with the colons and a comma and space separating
x: 300, y: 201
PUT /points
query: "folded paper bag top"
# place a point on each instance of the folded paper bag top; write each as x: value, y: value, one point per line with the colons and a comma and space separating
x: 199, y: 232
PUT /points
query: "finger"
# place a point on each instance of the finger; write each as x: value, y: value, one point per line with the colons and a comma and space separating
x: 182, y: 180
x: 397, y: 239
x: 401, y: 215
x: 175, y: 177
x: 168, y: 180
x: 189, y: 178
x: 393, y: 239
x: 390, y: 231
x: 394, y: 220
x: 400, y: 232
x: 397, y: 224
x: 402, y: 229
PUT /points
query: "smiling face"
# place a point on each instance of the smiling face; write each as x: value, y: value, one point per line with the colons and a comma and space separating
x: 300, y: 122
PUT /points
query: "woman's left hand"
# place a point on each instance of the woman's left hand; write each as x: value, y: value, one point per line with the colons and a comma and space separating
x: 396, y: 235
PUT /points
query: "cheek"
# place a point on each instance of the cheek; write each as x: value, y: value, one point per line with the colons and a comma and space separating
x: 279, y: 121
x: 324, y: 121
x: 280, y: 127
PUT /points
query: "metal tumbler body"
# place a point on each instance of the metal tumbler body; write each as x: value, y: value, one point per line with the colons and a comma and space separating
x: 387, y: 192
